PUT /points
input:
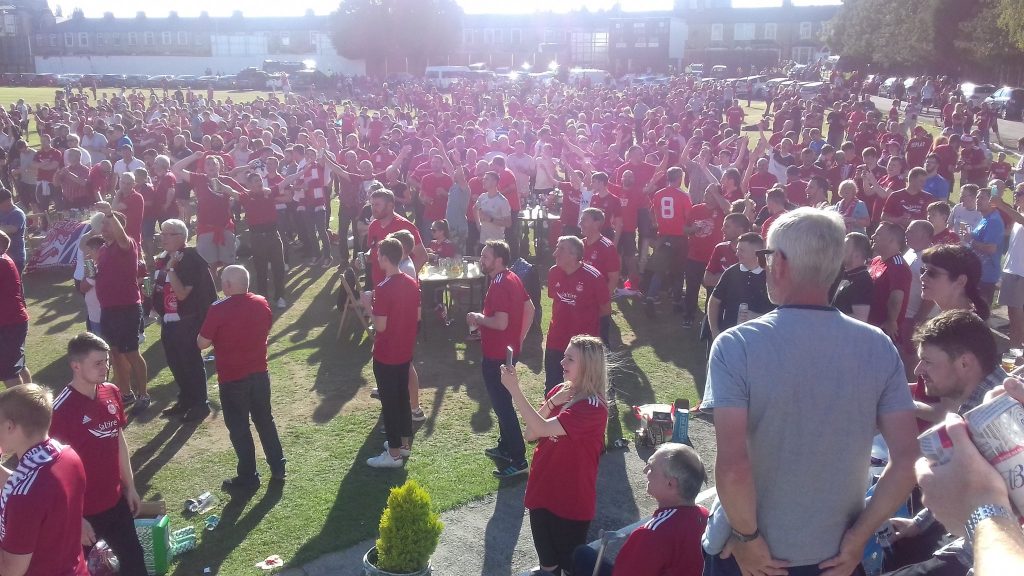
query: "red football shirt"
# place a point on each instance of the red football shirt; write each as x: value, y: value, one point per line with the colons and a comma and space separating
x: 667, y: 545
x: 133, y: 208
x: 571, y: 198
x: 759, y: 184
x: 46, y: 156
x: 42, y: 511
x: 902, y: 203
x: 429, y: 186
x: 238, y: 326
x: 505, y: 294
x: 796, y: 192
x: 92, y: 426
x: 259, y: 210
x: 707, y: 221
x: 671, y: 210
x: 603, y: 256
x: 508, y: 189
x: 888, y: 275
x: 379, y: 231
x: 610, y: 204
x: 396, y: 297
x: 214, y: 210
x: 947, y: 236
x: 12, y: 299
x: 163, y: 186
x: 563, y: 477
x: 117, y: 275
x: 77, y: 194
x: 576, y: 307
x: 723, y: 256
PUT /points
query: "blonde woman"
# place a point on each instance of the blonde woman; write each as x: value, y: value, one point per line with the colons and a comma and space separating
x: 561, y: 492
x: 853, y: 210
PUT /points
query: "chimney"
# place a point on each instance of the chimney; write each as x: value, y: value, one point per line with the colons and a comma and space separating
x: 140, y: 15
x: 237, y: 14
x: 204, y: 14
x: 173, y: 15
x: 108, y: 15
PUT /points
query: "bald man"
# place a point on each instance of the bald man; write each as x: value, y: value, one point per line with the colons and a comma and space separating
x: 238, y: 326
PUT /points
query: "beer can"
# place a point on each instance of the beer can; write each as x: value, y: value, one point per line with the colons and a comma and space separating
x: 147, y: 286
x: 936, y: 445
x: 997, y: 429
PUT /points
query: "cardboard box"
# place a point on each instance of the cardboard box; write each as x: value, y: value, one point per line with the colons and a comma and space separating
x: 154, y: 530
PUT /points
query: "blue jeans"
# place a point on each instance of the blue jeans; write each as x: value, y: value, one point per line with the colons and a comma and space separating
x: 510, y: 437
x: 716, y: 566
x: 585, y: 558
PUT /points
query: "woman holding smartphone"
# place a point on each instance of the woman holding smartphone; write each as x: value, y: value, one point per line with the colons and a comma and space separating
x: 561, y: 492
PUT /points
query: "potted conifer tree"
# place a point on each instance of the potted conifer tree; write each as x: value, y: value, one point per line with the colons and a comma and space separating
x: 409, y: 532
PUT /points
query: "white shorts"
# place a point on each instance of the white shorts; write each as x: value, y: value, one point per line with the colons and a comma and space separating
x: 1011, y: 290
x: 216, y: 253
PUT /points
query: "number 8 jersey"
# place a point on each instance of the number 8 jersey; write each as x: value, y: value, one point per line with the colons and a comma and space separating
x: 671, y: 209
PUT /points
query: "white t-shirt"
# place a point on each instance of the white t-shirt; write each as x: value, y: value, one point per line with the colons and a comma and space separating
x: 496, y: 207
x: 960, y: 215
x: 1015, y: 252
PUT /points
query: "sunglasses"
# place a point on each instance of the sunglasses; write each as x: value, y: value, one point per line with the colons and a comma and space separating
x: 762, y: 256
x: 932, y: 272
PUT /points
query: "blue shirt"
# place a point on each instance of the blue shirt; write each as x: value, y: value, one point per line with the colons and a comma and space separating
x: 937, y: 186
x: 990, y: 231
x: 16, y: 251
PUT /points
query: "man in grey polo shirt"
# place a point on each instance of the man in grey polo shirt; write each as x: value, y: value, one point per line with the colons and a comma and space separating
x: 797, y: 396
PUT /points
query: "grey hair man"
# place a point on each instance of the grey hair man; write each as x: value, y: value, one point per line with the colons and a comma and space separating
x: 772, y: 516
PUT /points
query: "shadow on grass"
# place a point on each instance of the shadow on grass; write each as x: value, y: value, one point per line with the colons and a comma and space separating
x: 234, y: 527
x: 361, y: 497
x: 148, y: 459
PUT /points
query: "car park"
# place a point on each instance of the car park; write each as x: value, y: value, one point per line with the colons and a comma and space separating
x: 136, y: 80
x: 68, y: 79
x: 45, y: 79
x: 158, y: 81
x: 976, y: 93
x: 811, y: 90
x: 227, y: 82
x: 112, y: 81
x: 1008, y: 102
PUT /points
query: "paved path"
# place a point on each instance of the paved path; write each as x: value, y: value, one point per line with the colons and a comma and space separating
x: 1009, y: 131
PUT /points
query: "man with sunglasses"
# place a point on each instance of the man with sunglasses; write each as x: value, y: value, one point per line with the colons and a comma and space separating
x: 769, y: 382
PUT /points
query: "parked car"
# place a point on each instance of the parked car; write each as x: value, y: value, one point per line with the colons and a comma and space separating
x: 252, y: 79
x: 88, y: 80
x: 185, y: 81
x: 8, y: 79
x: 45, y: 79
x: 112, y: 81
x: 753, y: 86
x: 136, y: 80
x: 68, y: 79
x: 158, y: 81
x: 719, y: 71
x: 885, y: 90
x: 204, y: 82
x: 811, y: 90
x: 227, y: 82
x: 976, y: 93
x: 1008, y: 103
x: 24, y: 79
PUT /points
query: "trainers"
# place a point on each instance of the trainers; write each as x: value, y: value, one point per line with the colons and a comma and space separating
x: 175, y: 410
x: 141, y: 404
x: 418, y: 415
x: 385, y: 460
x: 239, y: 483
x: 129, y: 398
x: 403, y: 451
x: 688, y: 323
x: 625, y: 293
x: 281, y: 304
x: 496, y: 454
x: 512, y: 470
x: 375, y: 393
x: 196, y: 413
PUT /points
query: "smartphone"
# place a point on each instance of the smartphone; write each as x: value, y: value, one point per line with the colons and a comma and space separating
x: 508, y: 356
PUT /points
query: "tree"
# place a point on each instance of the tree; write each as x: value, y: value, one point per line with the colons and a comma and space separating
x: 415, y: 29
x: 1011, y: 19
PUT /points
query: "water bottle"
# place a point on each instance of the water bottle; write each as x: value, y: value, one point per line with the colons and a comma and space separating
x: 681, y: 422
x: 884, y: 536
x: 102, y: 561
x: 202, y: 503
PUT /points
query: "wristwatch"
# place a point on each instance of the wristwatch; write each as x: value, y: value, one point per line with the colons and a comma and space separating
x: 984, y: 512
x: 741, y: 537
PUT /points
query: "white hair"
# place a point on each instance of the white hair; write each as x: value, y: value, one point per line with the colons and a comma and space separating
x: 176, y: 226
x: 811, y: 241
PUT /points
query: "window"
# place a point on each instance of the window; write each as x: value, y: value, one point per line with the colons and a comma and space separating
x: 802, y: 54
x: 516, y: 36
x: 53, y: 40
x: 716, y: 32
x: 149, y: 39
x: 10, y: 24
x: 286, y: 40
x: 640, y: 42
x: 69, y: 39
x: 183, y: 38
x: 133, y: 38
x: 743, y: 31
x: 499, y: 36
x: 115, y: 38
x: 589, y: 49
x: 771, y: 31
x: 638, y: 28
x: 469, y: 36
x: 805, y: 30
x: 826, y: 29
x: 83, y: 39
x: 165, y: 38
x: 488, y: 36
x: 101, y: 39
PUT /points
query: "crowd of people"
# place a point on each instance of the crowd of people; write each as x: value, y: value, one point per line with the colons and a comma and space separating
x: 834, y: 263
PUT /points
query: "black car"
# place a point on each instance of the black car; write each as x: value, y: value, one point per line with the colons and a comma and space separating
x: 44, y: 80
x: 1008, y: 102
x: 113, y: 81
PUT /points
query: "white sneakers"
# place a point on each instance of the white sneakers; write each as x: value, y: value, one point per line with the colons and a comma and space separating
x: 403, y: 451
x: 385, y: 460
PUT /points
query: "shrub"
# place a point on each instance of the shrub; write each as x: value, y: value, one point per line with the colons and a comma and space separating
x: 409, y: 530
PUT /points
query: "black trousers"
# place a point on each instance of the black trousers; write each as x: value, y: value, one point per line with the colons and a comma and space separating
x: 268, y: 249
x: 250, y: 398
x: 556, y: 538
x: 393, y: 385
x: 185, y: 359
x: 116, y: 526
x: 348, y: 219
x: 693, y: 272
x: 553, y: 368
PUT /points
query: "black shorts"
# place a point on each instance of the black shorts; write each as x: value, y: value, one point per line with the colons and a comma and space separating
x: 644, y: 225
x: 182, y: 190
x: 121, y: 326
x: 12, y: 349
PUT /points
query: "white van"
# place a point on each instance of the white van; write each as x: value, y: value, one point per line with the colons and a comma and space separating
x: 444, y: 76
x: 595, y: 76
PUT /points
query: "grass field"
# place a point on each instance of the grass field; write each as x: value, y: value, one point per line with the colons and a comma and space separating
x: 327, y: 420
